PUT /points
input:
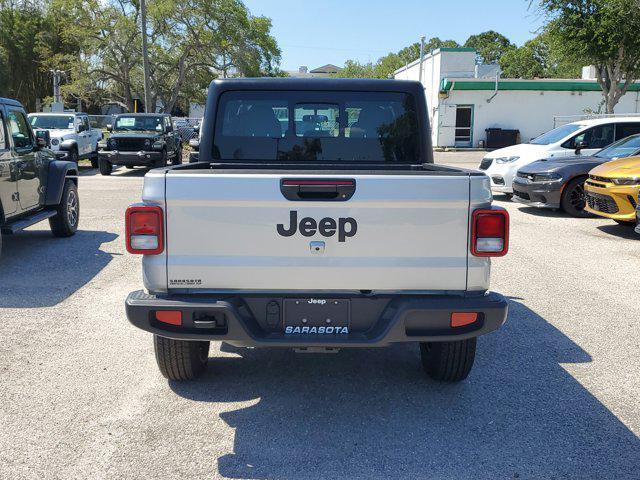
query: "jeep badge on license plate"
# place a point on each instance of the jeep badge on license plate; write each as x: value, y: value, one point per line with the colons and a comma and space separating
x: 316, y: 316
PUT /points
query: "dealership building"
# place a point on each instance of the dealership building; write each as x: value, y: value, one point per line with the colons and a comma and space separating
x: 466, y: 99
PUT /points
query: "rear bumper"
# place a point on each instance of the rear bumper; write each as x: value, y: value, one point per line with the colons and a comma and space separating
x: 544, y: 195
x: 375, y: 321
x: 141, y: 158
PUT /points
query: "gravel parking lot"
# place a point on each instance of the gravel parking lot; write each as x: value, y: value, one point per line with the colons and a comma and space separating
x: 553, y: 394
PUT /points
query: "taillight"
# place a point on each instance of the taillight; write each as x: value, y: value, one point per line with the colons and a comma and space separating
x: 144, y: 229
x: 490, y: 233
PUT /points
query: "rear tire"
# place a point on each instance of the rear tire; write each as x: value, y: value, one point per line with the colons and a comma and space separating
x: 65, y: 222
x: 105, y: 167
x: 448, y: 361
x: 573, y: 200
x: 180, y: 359
x: 94, y: 161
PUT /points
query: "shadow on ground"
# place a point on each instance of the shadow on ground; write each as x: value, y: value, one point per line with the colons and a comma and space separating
x: 117, y: 172
x: 372, y: 413
x: 40, y: 270
x: 622, y: 231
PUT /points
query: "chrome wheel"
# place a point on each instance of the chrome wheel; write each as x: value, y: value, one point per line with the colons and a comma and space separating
x: 72, y: 208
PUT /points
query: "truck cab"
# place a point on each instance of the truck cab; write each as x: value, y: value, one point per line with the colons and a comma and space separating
x: 34, y: 184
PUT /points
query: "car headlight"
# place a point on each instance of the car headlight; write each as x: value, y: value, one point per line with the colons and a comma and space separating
x: 506, y: 159
x: 626, y: 181
x: 158, y: 145
x: 55, y: 141
x: 546, y: 177
x: 147, y: 143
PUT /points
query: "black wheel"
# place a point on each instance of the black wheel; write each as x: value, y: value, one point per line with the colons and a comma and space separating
x: 129, y: 167
x: 94, y: 161
x: 105, y: 167
x: 573, y: 200
x: 448, y: 361
x: 180, y: 359
x: 177, y: 158
x: 162, y: 162
x: 65, y: 222
x: 73, y: 155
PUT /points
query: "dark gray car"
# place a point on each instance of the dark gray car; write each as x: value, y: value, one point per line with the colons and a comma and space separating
x: 559, y: 183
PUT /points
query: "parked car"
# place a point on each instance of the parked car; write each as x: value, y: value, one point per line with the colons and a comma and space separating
x: 559, y: 183
x: 71, y: 135
x: 140, y: 139
x: 638, y: 214
x: 612, y: 190
x: 342, y: 235
x: 585, y: 137
x: 34, y: 185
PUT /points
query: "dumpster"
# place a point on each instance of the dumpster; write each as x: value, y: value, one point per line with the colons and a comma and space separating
x: 499, y: 138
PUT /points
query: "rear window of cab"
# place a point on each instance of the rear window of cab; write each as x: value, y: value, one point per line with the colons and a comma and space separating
x: 314, y: 126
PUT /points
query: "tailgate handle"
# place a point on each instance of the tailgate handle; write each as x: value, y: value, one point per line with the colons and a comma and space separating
x: 330, y: 190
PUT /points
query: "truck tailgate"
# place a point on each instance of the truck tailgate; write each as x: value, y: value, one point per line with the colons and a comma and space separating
x: 397, y: 232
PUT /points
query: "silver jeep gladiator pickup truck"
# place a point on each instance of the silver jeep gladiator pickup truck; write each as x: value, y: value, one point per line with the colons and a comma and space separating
x: 315, y: 219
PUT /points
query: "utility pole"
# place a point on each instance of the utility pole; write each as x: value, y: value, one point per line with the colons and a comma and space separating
x: 57, y: 105
x: 421, y: 57
x: 145, y: 56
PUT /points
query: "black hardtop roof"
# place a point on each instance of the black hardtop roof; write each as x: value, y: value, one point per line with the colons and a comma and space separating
x: 10, y: 101
x: 337, y: 84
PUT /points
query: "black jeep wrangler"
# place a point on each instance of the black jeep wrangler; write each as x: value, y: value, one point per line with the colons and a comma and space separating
x: 140, y: 139
x: 34, y: 185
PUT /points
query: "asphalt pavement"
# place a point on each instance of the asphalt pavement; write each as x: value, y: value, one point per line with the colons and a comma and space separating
x: 553, y: 394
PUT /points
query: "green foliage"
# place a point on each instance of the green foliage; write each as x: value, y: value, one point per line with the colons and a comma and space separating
x: 27, y: 33
x: 603, y: 33
x: 385, y: 66
x: 98, y: 45
x: 537, y: 58
x: 490, y: 45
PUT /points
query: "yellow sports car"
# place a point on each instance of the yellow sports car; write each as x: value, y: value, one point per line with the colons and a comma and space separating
x: 612, y: 190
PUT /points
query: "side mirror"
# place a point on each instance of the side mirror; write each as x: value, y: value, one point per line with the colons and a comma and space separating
x: 43, y: 138
x: 109, y: 127
x: 580, y: 146
x: 194, y: 143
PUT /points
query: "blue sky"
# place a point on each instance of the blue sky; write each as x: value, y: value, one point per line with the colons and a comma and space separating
x: 314, y: 33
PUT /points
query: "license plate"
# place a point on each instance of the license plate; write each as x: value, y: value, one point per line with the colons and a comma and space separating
x: 316, y: 316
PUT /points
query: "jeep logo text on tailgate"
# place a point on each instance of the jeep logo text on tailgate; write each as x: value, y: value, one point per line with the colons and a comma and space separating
x: 327, y: 227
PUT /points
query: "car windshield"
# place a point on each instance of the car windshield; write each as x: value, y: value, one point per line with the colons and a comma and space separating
x: 139, y: 123
x: 557, y: 134
x: 52, y: 122
x: 624, y: 148
x: 317, y: 126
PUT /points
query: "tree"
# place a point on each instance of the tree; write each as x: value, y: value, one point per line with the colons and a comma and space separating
x: 490, y: 45
x: 29, y: 36
x: 385, y: 66
x: 537, y: 58
x: 191, y: 42
x: 603, y: 33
